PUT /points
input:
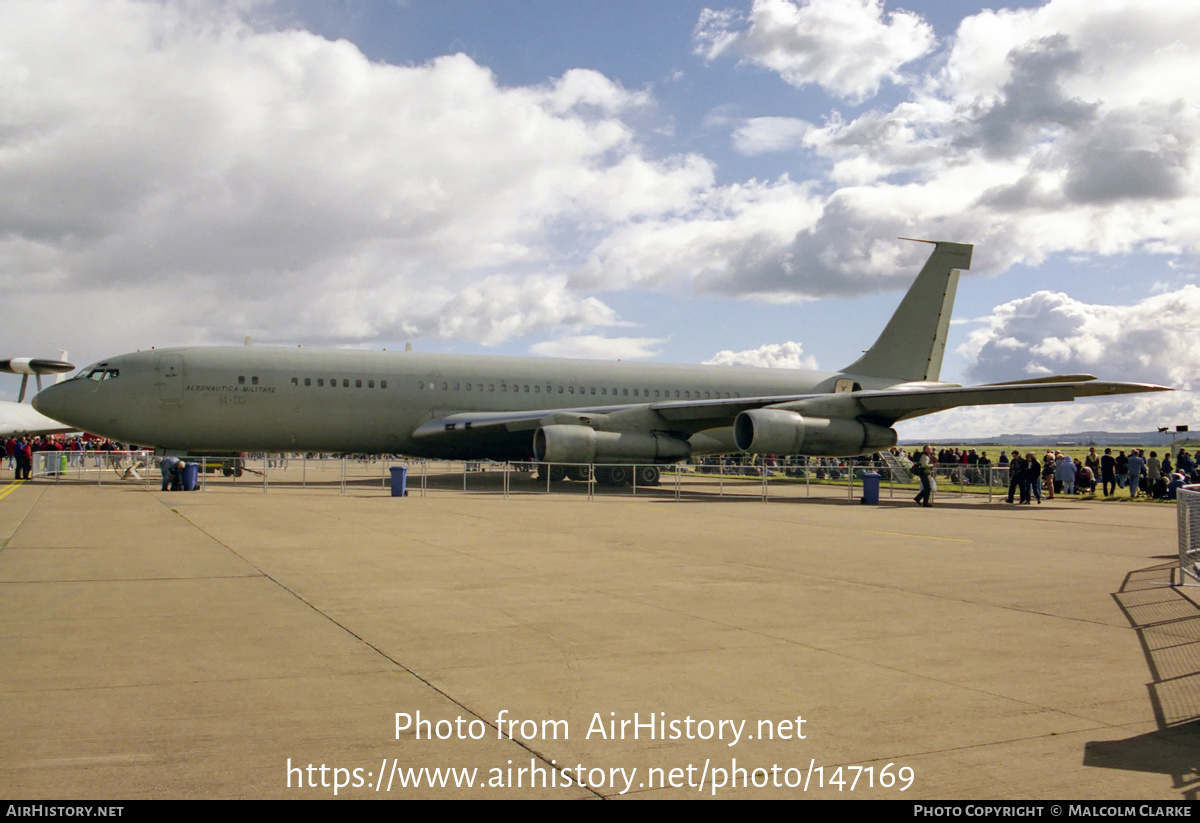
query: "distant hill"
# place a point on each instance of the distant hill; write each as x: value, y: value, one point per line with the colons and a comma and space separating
x: 1091, y: 438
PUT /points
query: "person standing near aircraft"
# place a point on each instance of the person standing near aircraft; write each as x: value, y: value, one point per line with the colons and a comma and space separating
x: 1031, y: 486
x: 1108, y: 472
x: 1122, y: 469
x: 923, y: 468
x: 1047, y: 475
x: 24, y: 455
x: 1092, y: 462
x: 1016, y: 468
x: 1064, y: 472
x: 1136, y: 464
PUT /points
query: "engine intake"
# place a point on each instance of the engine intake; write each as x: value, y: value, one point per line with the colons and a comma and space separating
x: 776, y: 431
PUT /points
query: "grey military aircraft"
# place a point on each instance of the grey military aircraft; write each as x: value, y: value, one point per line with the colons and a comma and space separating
x: 213, y: 400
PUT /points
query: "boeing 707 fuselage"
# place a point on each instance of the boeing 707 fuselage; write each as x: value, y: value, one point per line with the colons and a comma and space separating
x: 251, y: 398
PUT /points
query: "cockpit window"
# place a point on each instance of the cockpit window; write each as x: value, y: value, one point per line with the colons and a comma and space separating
x: 103, y: 374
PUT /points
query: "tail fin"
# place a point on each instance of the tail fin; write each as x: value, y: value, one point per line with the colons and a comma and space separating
x: 914, y: 340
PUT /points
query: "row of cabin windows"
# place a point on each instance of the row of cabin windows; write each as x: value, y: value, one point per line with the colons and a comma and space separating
x: 602, y: 391
x: 333, y: 381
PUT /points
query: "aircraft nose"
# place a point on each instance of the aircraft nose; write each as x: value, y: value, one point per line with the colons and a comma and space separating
x: 54, y: 402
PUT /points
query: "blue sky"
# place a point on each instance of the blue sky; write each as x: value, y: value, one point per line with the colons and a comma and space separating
x: 656, y: 180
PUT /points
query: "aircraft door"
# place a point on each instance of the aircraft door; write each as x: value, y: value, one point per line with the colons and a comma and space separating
x: 170, y: 379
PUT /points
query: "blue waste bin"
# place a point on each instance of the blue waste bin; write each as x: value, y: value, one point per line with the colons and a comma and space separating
x: 399, y: 481
x: 870, y: 482
x: 191, y: 473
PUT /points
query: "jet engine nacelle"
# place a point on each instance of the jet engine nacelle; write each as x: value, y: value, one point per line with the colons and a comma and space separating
x: 776, y: 431
x: 583, y: 444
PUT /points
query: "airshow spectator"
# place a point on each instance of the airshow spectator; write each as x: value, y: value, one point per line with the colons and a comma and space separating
x: 1136, y: 465
x: 1015, y: 469
x: 1184, y: 463
x: 1092, y: 462
x: 1031, y: 480
x: 1064, y: 472
x: 172, y: 470
x: 923, y: 468
x: 1048, y: 468
x: 24, y: 455
x: 1108, y: 472
x: 1085, y: 481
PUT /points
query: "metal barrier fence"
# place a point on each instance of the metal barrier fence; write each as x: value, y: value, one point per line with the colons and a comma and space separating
x: 722, y: 477
x: 97, y: 467
x: 1187, y: 510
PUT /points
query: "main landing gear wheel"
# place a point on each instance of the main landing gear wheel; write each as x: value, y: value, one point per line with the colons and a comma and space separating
x: 557, y: 473
x: 647, y: 475
x: 613, y: 475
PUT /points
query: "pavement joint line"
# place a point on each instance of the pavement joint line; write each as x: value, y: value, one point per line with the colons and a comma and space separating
x: 131, y: 579
x: 16, y: 484
x: 886, y: 667
x: 918, y: 593
x: 546, y: 759
x: 921, y: 536
x: 151, y: 684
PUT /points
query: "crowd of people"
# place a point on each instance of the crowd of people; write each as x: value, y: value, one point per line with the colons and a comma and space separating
x: 1033, y: 476
x: 20, y: 449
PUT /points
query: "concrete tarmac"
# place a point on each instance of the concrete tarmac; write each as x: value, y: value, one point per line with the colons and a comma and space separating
x: 236, y: 644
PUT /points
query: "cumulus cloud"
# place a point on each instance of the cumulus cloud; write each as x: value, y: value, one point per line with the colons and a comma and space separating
x: 1063, y: 128
x: 285, y: 186
x: 1152, y: 341
x: 848, y: 47
x: 762, y: 135
x: 789, y: 355
x: 596, y: 347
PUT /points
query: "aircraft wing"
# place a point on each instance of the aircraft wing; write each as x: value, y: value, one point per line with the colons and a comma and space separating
x: 882, y: 406
x: 679, y: 415
x: 887, y: 406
